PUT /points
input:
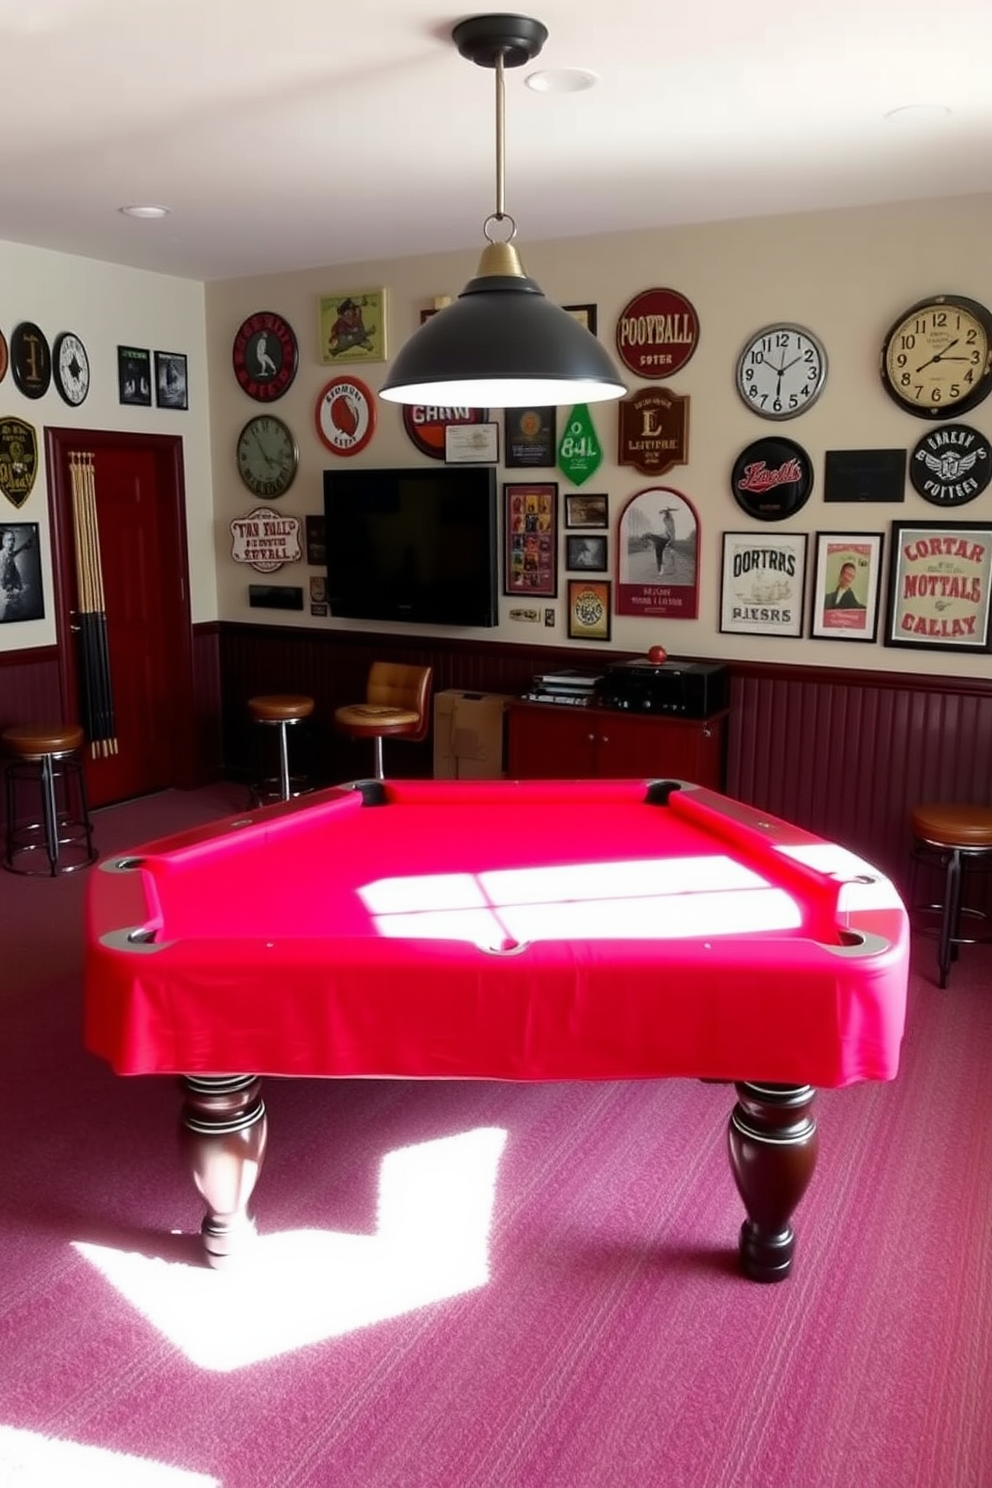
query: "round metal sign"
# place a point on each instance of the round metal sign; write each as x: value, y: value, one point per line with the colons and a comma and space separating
x: 772, y: 479
x: 657, y: 333
x: 951, y: 465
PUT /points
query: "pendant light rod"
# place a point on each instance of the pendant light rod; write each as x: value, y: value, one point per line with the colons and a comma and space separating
x: 500, y: 152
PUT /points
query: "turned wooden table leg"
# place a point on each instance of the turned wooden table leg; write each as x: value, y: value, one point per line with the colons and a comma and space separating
x: 772, y: 1137
x: 222, y: 1135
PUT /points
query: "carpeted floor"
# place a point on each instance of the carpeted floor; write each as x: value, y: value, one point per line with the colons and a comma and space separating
x: 565, y: 1312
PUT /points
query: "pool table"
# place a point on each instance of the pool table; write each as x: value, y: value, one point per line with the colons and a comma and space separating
x: 500, y: 930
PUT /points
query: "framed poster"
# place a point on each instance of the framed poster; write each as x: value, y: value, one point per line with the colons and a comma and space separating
x: 586, y: 553
x: 352, y: 327
x: 847, y: 574
x: 134, y: 375
x: 530, y: 522
x: 21, y: 594
x: 762, y: 583
x: 589, y: 609
x: 530, y: 436
x: 939, y: 586
x: 586, y: 315
x: 170, y: 380
x: 657, y: 555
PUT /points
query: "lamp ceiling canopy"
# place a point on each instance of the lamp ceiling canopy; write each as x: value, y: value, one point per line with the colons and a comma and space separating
x: 501, y: 343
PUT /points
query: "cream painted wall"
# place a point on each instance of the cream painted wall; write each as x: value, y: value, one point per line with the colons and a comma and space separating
x: 109, y: 306
x: 846, y: 275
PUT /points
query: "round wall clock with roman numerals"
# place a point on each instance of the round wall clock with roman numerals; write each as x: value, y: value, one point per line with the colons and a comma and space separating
x: 936, y: 360
x: 267, y: 455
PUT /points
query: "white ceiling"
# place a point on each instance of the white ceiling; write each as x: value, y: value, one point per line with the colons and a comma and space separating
x: 286, y: 134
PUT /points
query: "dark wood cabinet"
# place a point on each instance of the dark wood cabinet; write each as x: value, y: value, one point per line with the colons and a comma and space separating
x: 558, y: 742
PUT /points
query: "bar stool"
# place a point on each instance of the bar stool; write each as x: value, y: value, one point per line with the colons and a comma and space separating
x: 280, y: 710
x: 955, y: 838
x: 48, y: 819
x: 397, y: 705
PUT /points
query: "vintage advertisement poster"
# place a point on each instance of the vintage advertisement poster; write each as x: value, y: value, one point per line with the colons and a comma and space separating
x: 845, y: 591
x: 939, y: 586
x: 763, y: 581
x: 658, y: 547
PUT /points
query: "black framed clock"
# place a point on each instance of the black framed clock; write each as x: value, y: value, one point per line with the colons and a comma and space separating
x: 267, y: 455
x: 781, y: 371
x: 265, y: 355
x: 30, y: 359
x: 71, y: 368
x: 936, y: 359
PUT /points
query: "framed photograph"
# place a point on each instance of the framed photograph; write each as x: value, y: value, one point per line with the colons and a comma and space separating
x: 352, y: 327
x: 587, y: 511
x: 316, y: 550
x: 530, y: 522
x: 587, y: 553
x: 21, y: 595
x: 134, y: 375
x: 657, y: 555
x: 762, y: 583
x: 589, y: 607
x: 939, y: 576
x: 170, y: 380
x: 584, y: 314
x: 847, y: 575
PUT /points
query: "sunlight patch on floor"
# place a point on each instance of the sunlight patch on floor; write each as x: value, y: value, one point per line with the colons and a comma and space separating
x: 29, y: 1460
x: 303, y: 1286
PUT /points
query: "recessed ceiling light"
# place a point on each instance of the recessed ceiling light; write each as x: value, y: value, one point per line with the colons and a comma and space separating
x: 562, y: 80
x: 147, y: 212
x: 917, y: 113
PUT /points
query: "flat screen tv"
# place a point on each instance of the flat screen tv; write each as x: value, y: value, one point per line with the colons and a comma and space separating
x: 416, y: 545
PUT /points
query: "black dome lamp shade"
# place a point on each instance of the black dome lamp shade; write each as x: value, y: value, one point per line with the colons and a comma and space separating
x: 502, y: 343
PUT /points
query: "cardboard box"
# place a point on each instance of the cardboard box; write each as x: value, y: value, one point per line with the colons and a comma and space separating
x: 470, y: 735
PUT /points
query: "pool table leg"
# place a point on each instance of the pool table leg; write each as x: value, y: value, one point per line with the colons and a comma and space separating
x: 222, y: 1135
x: 772, y: 1137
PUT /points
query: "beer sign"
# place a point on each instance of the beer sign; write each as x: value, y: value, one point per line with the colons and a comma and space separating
x: 657, y: 333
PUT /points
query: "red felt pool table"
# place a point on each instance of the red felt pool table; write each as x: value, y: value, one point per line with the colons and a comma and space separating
x: 511, y: 930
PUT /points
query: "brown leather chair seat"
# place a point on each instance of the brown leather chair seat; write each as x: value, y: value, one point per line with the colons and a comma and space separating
x: 279, y: 710
x: 954, y: 837
x: 48, y: 828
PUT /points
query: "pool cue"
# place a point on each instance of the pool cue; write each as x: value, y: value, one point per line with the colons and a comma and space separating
x: 94, y: 650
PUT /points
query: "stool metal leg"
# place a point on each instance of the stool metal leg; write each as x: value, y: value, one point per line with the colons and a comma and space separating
x: 377, y: 746
x: 284, y: 786
x: 50, y: 811
x: 950, y: 920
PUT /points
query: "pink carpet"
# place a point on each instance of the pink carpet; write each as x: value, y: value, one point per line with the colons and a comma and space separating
x: 607, y: 1340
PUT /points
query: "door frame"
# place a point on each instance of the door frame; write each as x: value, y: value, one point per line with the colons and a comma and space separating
x: 167, y: 450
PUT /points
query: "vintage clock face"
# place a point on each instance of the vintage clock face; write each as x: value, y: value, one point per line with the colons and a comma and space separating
x: 937, y: 359
x: 267, y: 456
x: 71, y: 366
x: 781, y: 371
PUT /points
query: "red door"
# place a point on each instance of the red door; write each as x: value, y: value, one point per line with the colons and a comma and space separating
x: 142, y: 541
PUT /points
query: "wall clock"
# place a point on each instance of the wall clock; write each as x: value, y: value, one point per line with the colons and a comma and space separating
x: 267, y: 456
x: 781, y: 371
x: 30, y: 359
x: 71, y: 367
x: 936, y: 360
x: 345, y: 415
x: 265, y: 355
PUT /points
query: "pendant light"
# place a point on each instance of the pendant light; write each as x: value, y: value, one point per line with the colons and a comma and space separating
x: 501, y: 343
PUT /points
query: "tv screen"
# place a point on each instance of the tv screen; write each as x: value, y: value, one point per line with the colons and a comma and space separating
x: 416, y: 545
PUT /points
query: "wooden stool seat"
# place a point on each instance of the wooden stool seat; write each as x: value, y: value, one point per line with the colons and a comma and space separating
x: 31, y: 741
x: 48, y: 829
x: 953, y: 836
x: 281, y: 710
